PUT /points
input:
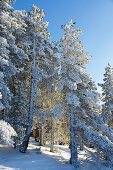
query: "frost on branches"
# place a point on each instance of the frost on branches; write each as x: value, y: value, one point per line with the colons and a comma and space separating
x: 82, y: 97
x: 107, y: 89
x: 11, y: 56
x: 17, y: 115
x: 43, y: 63
x: 73, y: 59
x: 7, y: 133
x: 4, y: 93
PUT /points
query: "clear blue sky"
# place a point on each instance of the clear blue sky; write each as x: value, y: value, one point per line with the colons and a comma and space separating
x: 94, y: 17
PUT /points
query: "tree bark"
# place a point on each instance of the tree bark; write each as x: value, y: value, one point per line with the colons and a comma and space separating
x: 52, y: 136
x: 37, y: 133
x: 42, y: 136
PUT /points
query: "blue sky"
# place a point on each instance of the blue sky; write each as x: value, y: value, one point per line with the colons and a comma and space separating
x: 94, y: 17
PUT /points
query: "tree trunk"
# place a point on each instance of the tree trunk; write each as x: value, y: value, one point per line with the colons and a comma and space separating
x: 37, y: 133
x: 73, y: 140
x: 42, y: 136
x: 24, y: 145
x: 52, y: 136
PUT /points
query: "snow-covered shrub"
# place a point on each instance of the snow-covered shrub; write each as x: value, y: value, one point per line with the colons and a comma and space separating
x: 7, y: 133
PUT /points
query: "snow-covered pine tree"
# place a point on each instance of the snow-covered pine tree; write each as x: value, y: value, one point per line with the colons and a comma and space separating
x: 17, y: 115
x: 72, y: 59
x: 90, y: 124
x: 4, y: 94
x: 44, y: 60
x: 107, y: 95
x: 81, y: 96
x: 11, y: 57
x: 7, y: 70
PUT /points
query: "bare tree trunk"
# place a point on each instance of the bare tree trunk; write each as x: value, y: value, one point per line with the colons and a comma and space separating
x: 37, y: 133
x: 52, y: 136
x: 24, y: 145
x: 42, y: 136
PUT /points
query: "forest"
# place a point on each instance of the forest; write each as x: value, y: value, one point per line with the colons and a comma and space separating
x: 46, y: 92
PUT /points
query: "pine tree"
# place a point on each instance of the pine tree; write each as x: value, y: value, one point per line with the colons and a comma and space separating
x: 107, y: 89
x: 82, y: 97
x: 4, y: 94
x: 44, y: 57
x: 73, y: 58
x: 17, y: 115
x: 90, y: 126
x: 11, y: 57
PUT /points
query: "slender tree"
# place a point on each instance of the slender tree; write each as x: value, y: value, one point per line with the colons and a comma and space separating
x: 82, y: 97
x: 73, y: 58
x: 107, y: 89
x: 43, y: 64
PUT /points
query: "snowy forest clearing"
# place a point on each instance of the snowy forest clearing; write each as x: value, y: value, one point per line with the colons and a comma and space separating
x: 33, y: 159
x: 46, y: 93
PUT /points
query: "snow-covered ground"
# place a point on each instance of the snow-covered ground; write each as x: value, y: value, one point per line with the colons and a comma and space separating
x: 33, y: 159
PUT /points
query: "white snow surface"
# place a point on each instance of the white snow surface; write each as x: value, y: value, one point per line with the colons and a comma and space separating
x: 34, y: 159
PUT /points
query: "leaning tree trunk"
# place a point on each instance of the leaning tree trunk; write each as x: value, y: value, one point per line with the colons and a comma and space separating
x: 24, y: 145
x: 52, y: 136
x: 73, y: 140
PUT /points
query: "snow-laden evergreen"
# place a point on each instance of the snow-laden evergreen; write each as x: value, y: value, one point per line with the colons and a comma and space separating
x: 90, y: 107
x: 44, y: 60
x: 11, y: 56
x: 7, y: 133
x: 17, y: 115
x: 107, y: 95
x: 73, y: 59
x: 5, y: 94
x: 82, y: 97
x: 29, y: 96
